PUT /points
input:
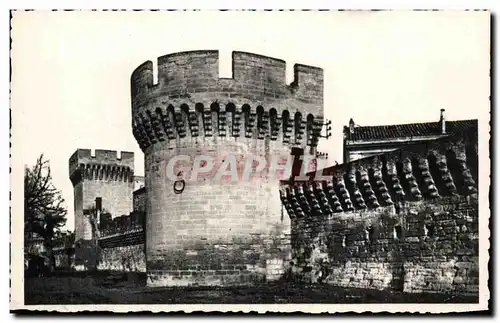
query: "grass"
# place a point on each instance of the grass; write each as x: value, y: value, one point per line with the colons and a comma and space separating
x: 116, y: 288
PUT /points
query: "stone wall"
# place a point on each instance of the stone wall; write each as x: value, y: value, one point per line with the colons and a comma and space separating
x: 64, y: 258
x: 139, y: 199
x: 64, y: 251
x: 404, y: 220
x: 130, y: 258
x: 214, y: 232
x: 121, y: 249
x: 218, y: 232
x: 106, y: 175
x: 431, y: 247
x: 121, y: 243
x: 116, y: 196
x: 193, y: 77
x: 120, y: 225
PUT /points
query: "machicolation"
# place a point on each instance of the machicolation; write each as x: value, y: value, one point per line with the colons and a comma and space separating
x: 105, y: 175
x: 212, y: 233
x: 105, y: 164
x: 403, y: 219
x: 191, y: 100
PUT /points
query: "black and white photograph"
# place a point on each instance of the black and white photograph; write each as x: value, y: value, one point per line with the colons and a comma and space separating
x: 269, y: 161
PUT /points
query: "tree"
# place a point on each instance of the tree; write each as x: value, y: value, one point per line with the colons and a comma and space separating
x: 44, y: 210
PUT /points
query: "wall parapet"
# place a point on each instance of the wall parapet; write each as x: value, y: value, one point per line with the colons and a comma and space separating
x: 185, y: 74
x: 135, y: 221
x: 191, y: 99
x: 445, y: 167
x: 131, y: 237
x: 103, y: 165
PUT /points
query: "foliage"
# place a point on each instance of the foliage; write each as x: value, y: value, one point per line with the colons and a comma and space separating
x: 44, y: 209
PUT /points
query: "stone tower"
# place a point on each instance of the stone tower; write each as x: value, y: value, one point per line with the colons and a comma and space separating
x: 104, y: 175
x: 213, y: 232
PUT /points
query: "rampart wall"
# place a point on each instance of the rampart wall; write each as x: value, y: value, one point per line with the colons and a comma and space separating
x: 121, y: 243
x: 119, y: 247
x: 405, y: 220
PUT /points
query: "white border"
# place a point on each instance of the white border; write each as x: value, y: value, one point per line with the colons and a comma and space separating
x: 452, y: 4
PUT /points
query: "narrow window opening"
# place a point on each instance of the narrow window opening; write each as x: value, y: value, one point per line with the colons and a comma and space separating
x: 429, y: 230
x: 398, y: 232
x: 397, y: 207
x: 370, y: 234
x: 98, y: 203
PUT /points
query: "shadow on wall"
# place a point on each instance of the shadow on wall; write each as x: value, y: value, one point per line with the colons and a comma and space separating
x: 87, y: 254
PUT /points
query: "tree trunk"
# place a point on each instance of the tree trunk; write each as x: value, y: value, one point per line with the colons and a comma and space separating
x: 50, y: 258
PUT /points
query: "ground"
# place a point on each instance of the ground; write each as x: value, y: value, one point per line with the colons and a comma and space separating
x: 119, y: 288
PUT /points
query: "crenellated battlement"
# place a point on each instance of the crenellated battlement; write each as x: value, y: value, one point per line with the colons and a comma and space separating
x: 187, y: 75
x: 190, y: 108
x: 103, y: 165
x: 445, y: 167
x: 191, y: 100
x: 109, y: 226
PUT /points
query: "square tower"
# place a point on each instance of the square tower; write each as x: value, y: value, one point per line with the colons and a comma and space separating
x: 105, y: 175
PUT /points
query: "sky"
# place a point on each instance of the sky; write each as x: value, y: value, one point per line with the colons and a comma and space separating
x: 70, y: 85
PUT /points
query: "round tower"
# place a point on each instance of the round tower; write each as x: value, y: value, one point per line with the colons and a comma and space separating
x: 212, y: 231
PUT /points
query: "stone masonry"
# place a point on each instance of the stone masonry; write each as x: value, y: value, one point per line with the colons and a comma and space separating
x: 103, y: 175
x: 220, y: 232
x: 402, y: 220
x: 405, y: 220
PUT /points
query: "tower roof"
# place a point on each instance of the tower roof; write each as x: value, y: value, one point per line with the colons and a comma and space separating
x: 410, y: 130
